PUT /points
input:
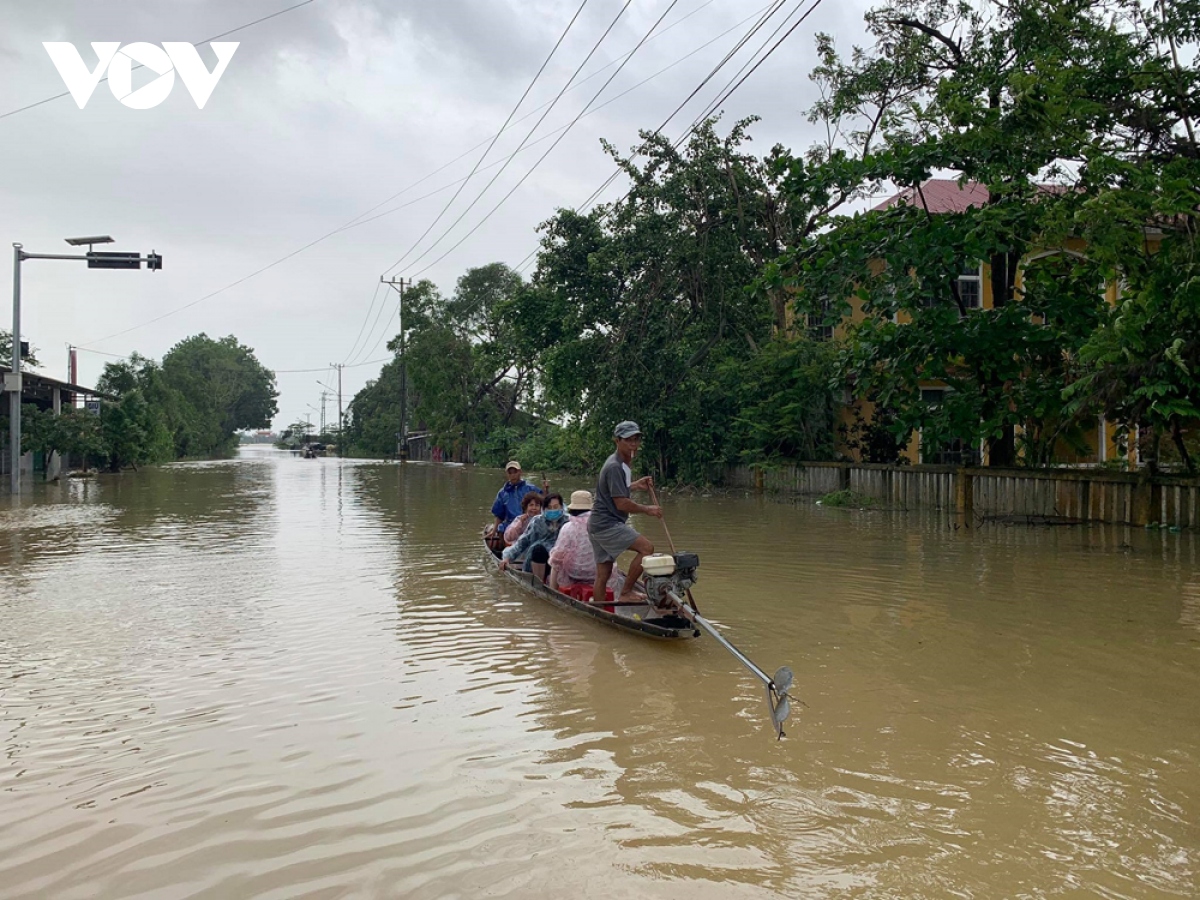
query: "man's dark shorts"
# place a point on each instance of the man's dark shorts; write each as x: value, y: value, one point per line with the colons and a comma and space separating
x: 611, y: 541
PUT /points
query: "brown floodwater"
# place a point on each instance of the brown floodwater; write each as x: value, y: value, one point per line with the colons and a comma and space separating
x: 283, y: 678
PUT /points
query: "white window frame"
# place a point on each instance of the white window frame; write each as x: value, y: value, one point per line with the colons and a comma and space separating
x: 976, y: 278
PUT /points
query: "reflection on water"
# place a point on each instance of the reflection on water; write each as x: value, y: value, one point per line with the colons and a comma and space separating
x: 275, y: 677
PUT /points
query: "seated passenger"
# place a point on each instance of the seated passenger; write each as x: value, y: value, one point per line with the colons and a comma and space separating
x: 572, y: 561
x: 535, y: 544
x: 531, y: 508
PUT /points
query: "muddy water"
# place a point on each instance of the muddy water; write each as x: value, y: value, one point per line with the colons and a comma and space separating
x: 283, y: 678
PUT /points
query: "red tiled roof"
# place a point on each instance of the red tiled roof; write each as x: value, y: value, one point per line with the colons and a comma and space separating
x: 940, y: 195
x: 946, y: 195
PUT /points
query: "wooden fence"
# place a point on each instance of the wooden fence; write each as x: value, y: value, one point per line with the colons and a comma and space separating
x: 1054, y: 495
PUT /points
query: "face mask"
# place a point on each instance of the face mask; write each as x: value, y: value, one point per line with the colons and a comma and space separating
x: 553, y: 515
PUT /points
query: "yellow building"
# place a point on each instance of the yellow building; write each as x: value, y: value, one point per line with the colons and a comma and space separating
x: 943, y: 196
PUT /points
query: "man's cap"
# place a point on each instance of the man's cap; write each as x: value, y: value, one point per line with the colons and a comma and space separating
x: 626, y: 430
x: 512, y: 464
x: 580, y: 500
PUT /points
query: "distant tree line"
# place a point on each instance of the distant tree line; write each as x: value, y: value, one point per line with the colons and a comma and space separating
x: 192, y: 404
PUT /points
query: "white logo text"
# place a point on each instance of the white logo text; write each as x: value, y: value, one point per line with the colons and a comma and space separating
x: 119, y: 61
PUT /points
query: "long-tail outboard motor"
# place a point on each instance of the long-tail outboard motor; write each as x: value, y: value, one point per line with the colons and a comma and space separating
x: 669, y: 573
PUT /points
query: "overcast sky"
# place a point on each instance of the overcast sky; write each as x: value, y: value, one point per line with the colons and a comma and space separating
x: 324, y: 113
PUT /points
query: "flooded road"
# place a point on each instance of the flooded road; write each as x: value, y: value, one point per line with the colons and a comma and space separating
x: 284, y: 678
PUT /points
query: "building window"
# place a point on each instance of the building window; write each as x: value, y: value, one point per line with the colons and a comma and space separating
x: 970, y: 285
x: 818, y: 329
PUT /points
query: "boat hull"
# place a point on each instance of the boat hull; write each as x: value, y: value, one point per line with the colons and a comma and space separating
x: 623, y: 620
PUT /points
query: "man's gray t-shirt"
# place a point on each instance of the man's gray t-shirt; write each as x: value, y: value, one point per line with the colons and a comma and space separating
x: 613, y: 482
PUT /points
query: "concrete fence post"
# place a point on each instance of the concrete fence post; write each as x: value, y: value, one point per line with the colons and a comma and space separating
x: 964, y: 496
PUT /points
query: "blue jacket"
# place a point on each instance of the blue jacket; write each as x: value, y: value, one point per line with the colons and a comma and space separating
x: 508, y: 501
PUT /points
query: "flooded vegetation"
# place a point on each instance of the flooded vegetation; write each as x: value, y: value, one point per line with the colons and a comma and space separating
x: 274, y: 677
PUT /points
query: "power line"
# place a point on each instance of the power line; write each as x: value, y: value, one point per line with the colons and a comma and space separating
x: 98, y: 352
x: 215, y: 37
x: 503, y: 127
x: 378, y: 317
x: 372, y: 362
x: 362, y: 327
x: 525, y: 262
x: 521, y: 267
x: 727, y: 93
x: 549, y: 150
x: 525, y: 140
x: 463, y: 184
x: 533, y: 112
x: 738, y: 82
x: 358, y: 220
x: 766, y: 17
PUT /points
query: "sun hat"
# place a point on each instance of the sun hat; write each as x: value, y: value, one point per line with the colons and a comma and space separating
x: 512, y: 464
x: 626, y: 429
x: 580, y: 500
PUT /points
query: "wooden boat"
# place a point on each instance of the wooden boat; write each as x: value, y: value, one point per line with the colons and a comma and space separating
x: 641, y: 619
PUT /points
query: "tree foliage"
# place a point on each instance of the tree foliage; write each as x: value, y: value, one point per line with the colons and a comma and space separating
x: 28, y: 361
x: 466, y: 372
x: 1093, y: 97
x: 640, y: 309
x: 191, y: 405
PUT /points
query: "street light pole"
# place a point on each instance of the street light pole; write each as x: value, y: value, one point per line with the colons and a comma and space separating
x: 14, y: 398
x: 12, y: 383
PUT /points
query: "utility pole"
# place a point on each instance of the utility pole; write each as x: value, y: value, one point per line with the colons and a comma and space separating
x: 339, y: 367
x: 400, y: 284
x: 324, y: 395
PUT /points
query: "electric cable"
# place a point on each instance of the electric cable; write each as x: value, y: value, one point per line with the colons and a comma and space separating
x: 589, y: 112
x: 766, y: 17
x: 525, y: 262
x: 533, y: 112
x: 372, y: 362
x: 362, y: 327
x: 525, y: 140
x: 503, y: 127
x: 737, y: 82
x: 713, y: 105
x: 549, y: 150
x: 358, y: 221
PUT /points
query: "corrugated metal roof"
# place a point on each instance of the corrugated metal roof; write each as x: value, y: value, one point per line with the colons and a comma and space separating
x: 46, y: 381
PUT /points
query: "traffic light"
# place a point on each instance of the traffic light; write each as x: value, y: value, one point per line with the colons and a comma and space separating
x: 154, y: 261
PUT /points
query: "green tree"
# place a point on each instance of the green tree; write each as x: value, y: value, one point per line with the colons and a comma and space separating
x: 466, y: 370
x: 144, y: 430
x: 640, y: 309
x: 29, y: 361
x: 1141, y: 366
x: 1008, y: 96
x: 222, y: 389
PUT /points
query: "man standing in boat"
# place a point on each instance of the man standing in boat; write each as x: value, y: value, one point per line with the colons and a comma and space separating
x: 609, y: 527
